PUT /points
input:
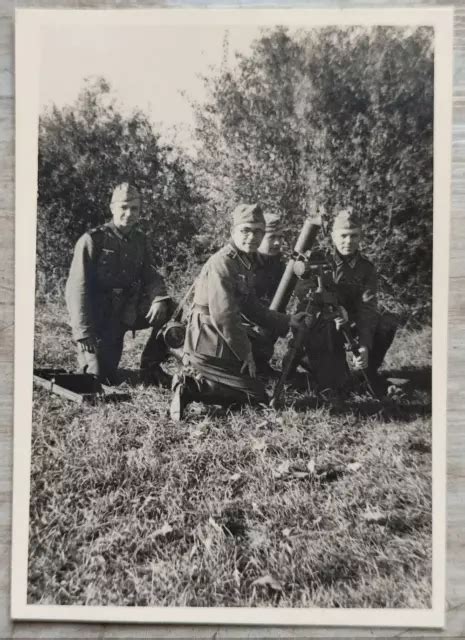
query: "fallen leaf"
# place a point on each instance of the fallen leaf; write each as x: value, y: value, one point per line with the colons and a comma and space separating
x: 281, y: 470
x: 260, y: 425
x: 163, y: 531
x: 199, y: 431
x: 286, y: 532
x: 235, y: 477
x: 267, y: 581
x: 258, y: 445
x: 300, y: 474
x: 207, y: 543
x: 354, y: 466
x: 283, y: 467
x: 374, y: 515
x: 215, y: 525
x: 317, y: 520
x: 311, y: 466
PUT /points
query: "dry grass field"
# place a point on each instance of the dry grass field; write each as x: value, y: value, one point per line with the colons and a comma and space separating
x: 302, y: 507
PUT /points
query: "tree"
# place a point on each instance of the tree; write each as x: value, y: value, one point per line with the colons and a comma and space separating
x: 87, y: 148
x: 328, y: 118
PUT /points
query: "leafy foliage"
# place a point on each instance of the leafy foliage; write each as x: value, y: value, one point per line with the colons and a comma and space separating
x: 84, y: 151
x: 324, y: 119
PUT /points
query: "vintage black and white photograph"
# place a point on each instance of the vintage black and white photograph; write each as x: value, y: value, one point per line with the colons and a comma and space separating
x: 226, y: 397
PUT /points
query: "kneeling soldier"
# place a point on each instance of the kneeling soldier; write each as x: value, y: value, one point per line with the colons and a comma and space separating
x: 219, y: 367
x: 114, y: 286
x: 355, y: 285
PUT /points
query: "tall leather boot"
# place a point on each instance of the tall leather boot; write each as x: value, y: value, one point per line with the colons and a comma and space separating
x: 155, y: 352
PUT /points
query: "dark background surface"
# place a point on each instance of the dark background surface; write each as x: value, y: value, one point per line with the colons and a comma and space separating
x: 456, y: 398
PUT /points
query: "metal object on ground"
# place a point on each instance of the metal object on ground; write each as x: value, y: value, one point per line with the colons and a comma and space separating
x: 78, y: 387
x: 174, y: 334
x: 174, y: 331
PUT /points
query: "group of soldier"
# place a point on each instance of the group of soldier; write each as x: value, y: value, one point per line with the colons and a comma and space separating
x: 114, y: 286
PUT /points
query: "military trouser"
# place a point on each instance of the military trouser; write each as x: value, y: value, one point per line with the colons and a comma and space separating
x: 324, y: 356
x: 383, y: 338
x: 262, y: 347
x: 110, y: 340
x: 211, y: 380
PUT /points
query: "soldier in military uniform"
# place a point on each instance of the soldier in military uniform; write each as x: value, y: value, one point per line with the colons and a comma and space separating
x: 114, y: 286
x: 219, y: 367
x: 354, y: 281
x: 269, y: 268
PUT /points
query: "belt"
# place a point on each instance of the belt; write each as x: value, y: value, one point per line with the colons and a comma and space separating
x: 118, y: 290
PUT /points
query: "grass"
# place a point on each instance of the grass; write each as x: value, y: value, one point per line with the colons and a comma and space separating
x: 304, y: 507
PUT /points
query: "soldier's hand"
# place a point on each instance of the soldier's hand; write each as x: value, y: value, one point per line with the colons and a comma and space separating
x: 250, y: 365
x: 361, y: 361
x: 342, y: 319
x: 158, y: 312
x: 298, y: 319
x: 87, y: 344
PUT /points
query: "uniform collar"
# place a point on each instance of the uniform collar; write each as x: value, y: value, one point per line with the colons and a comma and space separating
x: 118, y: 233
x: 340, y: 261
x: 247, y: 259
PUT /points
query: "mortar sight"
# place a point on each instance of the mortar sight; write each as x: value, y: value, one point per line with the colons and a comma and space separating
x: 311, y: 262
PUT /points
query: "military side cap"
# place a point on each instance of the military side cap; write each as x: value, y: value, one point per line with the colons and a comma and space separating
x: 346, y: 219
x: 248, y: 213
x: 272, y: 221
x: 124, y: 192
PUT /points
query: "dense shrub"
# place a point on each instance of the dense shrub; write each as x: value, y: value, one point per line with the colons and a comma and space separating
x: 329, y: 118
x: 87, y: 148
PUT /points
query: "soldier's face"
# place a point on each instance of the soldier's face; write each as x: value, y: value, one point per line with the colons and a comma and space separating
x: 248, y: 236
x: 125, y: 214
x: 346, y: 241
x: 271, y: 243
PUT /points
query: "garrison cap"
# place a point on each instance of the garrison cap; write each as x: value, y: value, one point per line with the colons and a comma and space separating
x: 346, y: 219
x: 273, y: 222
x: 251, y: 213
x: 124, y: 192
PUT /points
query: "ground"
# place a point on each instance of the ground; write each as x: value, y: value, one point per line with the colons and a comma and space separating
x: 301, y: 507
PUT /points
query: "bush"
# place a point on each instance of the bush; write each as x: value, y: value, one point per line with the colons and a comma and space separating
x: 325, y: 119
x: 85, y: 150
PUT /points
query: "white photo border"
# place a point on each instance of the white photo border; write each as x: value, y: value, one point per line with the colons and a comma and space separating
x: 29, y: 23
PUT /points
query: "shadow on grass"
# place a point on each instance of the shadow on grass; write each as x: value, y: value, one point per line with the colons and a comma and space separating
x: 131, y: 377
x: 387, y: 410
x: 414, y: 401
x: 384, y: 410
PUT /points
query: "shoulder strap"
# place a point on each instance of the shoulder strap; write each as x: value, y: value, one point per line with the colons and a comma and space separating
x: 98, y: 234
x: 231, y: 251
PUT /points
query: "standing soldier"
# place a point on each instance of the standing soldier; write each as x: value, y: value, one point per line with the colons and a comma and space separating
x: 113, y: 286
x: 269, y: 269
x: 219, y: 367
x: 355, y: 285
